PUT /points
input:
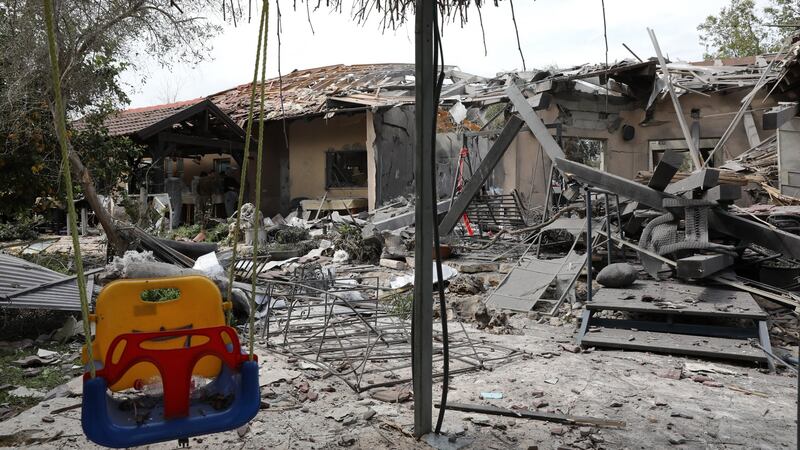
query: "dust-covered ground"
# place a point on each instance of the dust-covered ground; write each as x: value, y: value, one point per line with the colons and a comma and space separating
x: 741, y: 406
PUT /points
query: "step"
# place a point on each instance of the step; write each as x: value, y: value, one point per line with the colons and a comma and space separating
x: 683, y: 344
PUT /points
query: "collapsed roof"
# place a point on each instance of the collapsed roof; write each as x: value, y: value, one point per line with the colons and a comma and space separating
x: 326, y: 90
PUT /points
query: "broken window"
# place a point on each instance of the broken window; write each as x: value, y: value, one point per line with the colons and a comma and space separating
x: 221, y: 165
x: 345, y: 168
x: 586, y: 151
x: 657, y: 149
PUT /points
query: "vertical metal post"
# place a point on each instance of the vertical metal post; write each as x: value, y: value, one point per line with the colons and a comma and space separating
x: 588, y: 195
x: 422, y: 331
x: 608, y: 228
x: 548, y: 196
x: 619, y: 220
x: 84, y: 221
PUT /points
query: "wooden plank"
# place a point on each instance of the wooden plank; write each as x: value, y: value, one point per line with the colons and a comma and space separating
x: 535, y: 415
x: 222, y: 145
x: 677, y: 299
x: 480, y: 176
x: 678, y: 328
x: 750, y: 128
x: 648, y: 341
x: 533, y: 122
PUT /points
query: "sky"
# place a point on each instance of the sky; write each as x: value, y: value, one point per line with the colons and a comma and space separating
x: 552, y: 32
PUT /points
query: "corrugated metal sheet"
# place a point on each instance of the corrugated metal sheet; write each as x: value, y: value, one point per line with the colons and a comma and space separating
x: 17, y: 275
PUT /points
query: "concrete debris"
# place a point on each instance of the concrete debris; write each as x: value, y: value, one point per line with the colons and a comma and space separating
x: 465, y: 285
x: 25, y: 392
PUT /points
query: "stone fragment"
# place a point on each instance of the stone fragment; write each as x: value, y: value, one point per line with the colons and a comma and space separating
x: 617, y: 275
x: 392, y: 264
x: 672, y: 374
x: 368, y: 414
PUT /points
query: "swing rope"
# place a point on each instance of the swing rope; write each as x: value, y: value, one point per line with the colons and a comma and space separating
x: 259, y: 158
x: 61, y: 131
x: 245, y: 160
x: 261, y: 58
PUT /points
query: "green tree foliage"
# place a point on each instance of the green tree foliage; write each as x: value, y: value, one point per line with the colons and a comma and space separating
x: 97, y: 41
x: 740, y: 29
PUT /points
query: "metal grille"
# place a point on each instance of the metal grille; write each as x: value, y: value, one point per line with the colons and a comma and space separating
x: 504, y: 210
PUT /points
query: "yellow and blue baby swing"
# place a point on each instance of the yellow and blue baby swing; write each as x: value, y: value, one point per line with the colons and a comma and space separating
x: 137, y: 341
x: 195, y: 342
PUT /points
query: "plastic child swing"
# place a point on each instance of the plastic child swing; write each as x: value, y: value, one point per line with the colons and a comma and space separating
x: 175, y: 340
x: 196, y: 343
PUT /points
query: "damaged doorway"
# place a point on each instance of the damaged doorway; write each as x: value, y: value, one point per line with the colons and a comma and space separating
x: 587, y: 151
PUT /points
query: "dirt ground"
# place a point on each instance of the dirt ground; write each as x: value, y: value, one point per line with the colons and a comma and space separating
x: 665, y: 402
x: 742, y: 408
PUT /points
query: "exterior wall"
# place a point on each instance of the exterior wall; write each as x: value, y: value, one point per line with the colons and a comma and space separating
x: 525, y: 168
x: 274, y: 171
x: 393, y: 147
x: 308, y: 143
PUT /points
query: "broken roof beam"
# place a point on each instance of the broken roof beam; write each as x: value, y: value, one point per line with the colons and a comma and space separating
x: 533, y: 121
x: 667, y: 167
x: 779, y: 115
x: 480, y: 176
x: 614, y: 183
x: 722, y: 221
x: 702, y: 179
x: 693, y: 152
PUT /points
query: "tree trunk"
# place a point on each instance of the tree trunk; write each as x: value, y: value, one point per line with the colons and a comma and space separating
x: 82, y: 175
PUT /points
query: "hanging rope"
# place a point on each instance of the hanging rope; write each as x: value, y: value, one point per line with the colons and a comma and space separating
x: 259, y: 158
x: 61, y: 131
x: 261, y: 61
x: 245, y: 159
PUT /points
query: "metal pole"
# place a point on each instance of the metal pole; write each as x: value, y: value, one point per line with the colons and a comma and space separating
x: 588, y: 195
x: 422, y: 330
x: 608, y: 228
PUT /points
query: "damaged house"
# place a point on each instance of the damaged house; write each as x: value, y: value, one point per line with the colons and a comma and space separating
x: 344, y: 134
